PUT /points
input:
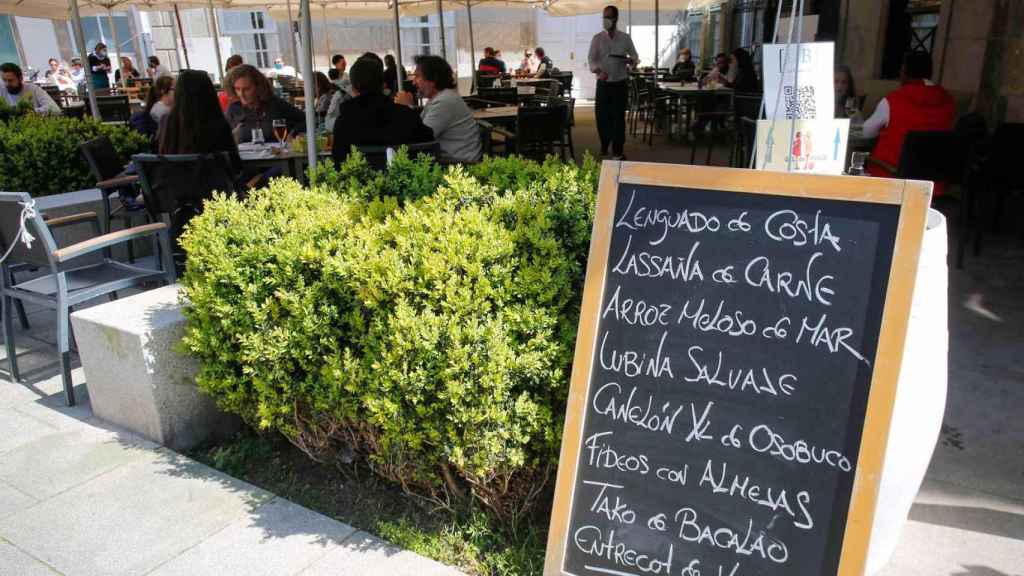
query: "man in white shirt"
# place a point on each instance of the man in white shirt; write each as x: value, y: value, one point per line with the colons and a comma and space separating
x: 446, y: 113
x: 15, y: 90
x: 611, y: 55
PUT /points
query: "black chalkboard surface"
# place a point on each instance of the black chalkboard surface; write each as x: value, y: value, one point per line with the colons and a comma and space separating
x: 732, y: 354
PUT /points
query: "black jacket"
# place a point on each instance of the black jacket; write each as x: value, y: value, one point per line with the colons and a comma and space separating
x: 375, y: 120
x: 274, y: 109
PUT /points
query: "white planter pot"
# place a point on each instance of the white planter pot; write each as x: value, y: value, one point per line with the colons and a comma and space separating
x: 920, y: 397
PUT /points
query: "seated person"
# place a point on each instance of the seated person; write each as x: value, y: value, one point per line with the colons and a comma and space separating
x: 527, y: 66
x: 15, y: 90
x: 158, y: 104
x: 845, y: 89
x: 741, y: 76
x: 685, y: 70
x: 445, y: 112
x: 324, y: 93
x: 225, y: 95
x: 391, y: 72
x: 196, y: 125
x: 489, y: 65
x: 720, y: 71
x: 258, y: 107
x: 917, y: 105
x: 372, y: 119
x: 544, y: 64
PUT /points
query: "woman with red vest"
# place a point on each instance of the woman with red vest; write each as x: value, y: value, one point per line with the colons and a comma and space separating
x: 917, y: 105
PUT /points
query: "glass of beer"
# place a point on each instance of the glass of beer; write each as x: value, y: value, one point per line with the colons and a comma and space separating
x: 280, y: 131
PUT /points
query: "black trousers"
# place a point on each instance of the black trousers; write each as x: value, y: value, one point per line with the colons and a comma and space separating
x: 610, y: 110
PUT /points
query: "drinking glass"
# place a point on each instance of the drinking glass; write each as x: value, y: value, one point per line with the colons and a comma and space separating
x: 257, y: 136
x: 857, y: 160
x: 280, y: 131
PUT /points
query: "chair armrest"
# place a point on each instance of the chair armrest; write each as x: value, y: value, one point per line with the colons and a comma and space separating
x: 61, y: 221
x: 118, y: 182
x: 882, y: 164
x: 99, y: 242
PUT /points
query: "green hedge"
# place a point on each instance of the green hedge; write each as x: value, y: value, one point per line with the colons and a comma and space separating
x: 431, y: 334
x: 39, y: 154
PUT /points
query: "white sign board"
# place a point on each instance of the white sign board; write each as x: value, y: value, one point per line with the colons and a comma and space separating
x: 818, y: 146
x: 814, y: 98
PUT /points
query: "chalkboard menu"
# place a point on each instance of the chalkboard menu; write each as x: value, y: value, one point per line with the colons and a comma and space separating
x: 729, y: 346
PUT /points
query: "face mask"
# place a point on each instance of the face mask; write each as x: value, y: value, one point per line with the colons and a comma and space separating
x: 102, y: 53
x: 278, y: 65
x: 609, y: 23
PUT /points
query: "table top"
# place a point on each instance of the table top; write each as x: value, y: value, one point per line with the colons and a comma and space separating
x: 692, y: 88
x: 534, y: 80
x: 497, y: 112
x: 134, y: 103
x: 272, y: 152
x: 526, y: 90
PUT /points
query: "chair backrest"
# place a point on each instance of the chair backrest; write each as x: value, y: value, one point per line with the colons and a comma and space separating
x: 1004, y: 156
x: 114, y: 108
x: 55, y: 93
x: 509, y: 96
x: 485, y: 80
x: 939, y: 156
x: 11, y: 207
x: 540, y: 125
x: 172, y: 181
x: 565, y: 79
x: 102, y: 158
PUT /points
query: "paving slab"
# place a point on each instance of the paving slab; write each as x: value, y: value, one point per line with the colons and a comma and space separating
x: 13, y: 500
x: 277, y: 538
x: 17, y: 429
x: 56, y: 462
x: 364, y: 554
x: 133, y: 518
x: 16, y: 562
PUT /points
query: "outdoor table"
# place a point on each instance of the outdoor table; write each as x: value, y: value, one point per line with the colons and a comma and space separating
x: 526, y: 90
x: 497, y: 113
x: 693, y: 91
x: 272, y: 154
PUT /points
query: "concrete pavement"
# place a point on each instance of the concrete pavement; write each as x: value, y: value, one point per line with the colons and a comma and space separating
x: 79, y: 497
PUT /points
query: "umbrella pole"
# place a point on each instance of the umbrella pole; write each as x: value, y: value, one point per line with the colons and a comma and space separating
x: 181, y: 34
x: 308, y: 83
x: 80, y: 41
x: 327, y: 35
x: 629, y: 18
x: 472, y: 48
x: 117, y: 44
x: 398, y: 48
x: 215, y: 32
x: 291, y: 35
x: 444, y: 45
x: 655, y: 38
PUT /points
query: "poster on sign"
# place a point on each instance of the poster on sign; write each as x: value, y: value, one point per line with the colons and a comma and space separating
x: 817, y: 146
x: 814, y: 98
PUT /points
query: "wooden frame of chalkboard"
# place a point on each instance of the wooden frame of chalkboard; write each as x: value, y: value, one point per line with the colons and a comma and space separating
x: 910, y: 200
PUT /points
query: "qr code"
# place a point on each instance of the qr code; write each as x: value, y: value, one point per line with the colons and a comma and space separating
x: 800, y: 103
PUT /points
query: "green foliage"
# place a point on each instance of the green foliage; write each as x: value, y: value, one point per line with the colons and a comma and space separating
x: 39, y: 154
x: 405, y: 179
x: 21, y: 108
x: 430, y: 333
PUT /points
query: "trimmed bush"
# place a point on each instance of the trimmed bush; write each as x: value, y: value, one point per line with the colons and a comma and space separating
x: 431, y: 334
x: 39, y: 154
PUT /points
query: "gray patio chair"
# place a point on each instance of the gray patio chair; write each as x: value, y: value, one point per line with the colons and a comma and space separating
x: 72, y: 279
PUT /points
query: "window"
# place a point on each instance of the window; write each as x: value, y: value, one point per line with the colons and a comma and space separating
x: 8, y: 48
x: 422, y: 35
x: 695, y: 34
x: 715, y: 30
x: 249, y: 36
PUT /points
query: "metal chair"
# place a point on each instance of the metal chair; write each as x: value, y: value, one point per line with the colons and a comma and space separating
x: 507, y: 96
x: 114, y: 108
x: 175, y: 186
x: 71, y: 281
x: 539, y: 130
x: 55, y: 93
x: 108, y: 170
